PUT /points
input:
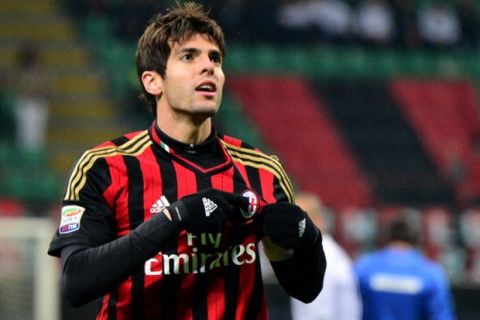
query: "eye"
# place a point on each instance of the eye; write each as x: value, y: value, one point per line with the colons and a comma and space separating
x: 216, y: 58
x: 187, y: 57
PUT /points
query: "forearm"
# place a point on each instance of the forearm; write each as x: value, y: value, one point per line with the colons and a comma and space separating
x: 88, y: 272
x: 301, y: 275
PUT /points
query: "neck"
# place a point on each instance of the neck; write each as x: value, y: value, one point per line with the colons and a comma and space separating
x: 186, y: 131
x: 401, y: 245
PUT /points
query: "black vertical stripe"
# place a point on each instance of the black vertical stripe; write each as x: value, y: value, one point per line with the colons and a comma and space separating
x: 254, y: 177
x: 168, y: 176
x: 254, y: 304
x: 200, y: 293
x: 232, y: 275
x: 112, y: 302
x: 279, y: 193
x: 112, y: 305
x: 136, y: 217
x: 170, y: 284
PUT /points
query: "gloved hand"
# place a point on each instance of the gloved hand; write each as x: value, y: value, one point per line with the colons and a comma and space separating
x: 206, y: 210
x: 288, y: 226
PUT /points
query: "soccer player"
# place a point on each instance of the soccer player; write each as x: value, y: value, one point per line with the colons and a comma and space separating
x: 398, y: 282
x: 165, y: 223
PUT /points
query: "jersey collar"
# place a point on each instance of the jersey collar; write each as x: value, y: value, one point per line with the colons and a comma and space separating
x: 194, y: 155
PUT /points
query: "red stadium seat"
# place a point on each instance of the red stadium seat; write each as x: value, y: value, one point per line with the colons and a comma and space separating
x: 11, y: 208
x: 292, y: 120
x: 445, y: 115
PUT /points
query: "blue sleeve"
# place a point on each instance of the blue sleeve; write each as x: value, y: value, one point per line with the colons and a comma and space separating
x: 439, y: 306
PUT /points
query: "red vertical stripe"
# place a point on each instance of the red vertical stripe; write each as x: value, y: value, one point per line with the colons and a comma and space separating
x: 152, y: 190
x: 216, y: 295
x: 268, y: 190
x: 152, y: 181
x: 246, y: 283
x: 223, y: 181
x: 263, y: 314
x: 119, y: 178
x: 186, y: 180
x: 124, y: 299
x: 102, y: 314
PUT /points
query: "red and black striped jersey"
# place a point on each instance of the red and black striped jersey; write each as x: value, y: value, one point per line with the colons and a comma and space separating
x: 124, y: 182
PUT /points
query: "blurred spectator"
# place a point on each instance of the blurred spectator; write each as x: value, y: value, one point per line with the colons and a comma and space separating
x: 316, y: 19
x: 469, y: 23
x: 294, y: 20
x: 374, y: 22
x: 339, y: 298
x: 406, y: 30
x: 333, y: 18
x: 294, y: 14
x: 439, y: 25
x: 398, y: 282
x: 31, y: 100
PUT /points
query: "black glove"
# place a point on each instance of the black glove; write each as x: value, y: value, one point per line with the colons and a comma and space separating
x: 206, y: 210
x: 288, y: 226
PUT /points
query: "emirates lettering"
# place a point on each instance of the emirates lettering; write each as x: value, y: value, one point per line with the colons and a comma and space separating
x: 200, y: 262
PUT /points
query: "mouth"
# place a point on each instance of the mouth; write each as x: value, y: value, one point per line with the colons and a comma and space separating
x: 207, y: 86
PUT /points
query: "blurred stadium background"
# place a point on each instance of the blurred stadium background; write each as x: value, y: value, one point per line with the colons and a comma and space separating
x: 379, y: 126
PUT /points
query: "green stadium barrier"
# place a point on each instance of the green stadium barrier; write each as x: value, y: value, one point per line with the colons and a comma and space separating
x: 472, y: 66
x: 31, y: 186
x: 323, y: 61
x: 26, y: 176
x: 96, y: 28
x: 4, y: 153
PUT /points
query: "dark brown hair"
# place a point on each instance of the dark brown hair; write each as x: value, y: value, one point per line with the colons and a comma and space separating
x: 402, y: 230
x: 178, y: 24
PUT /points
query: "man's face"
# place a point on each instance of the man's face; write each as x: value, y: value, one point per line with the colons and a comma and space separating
x: 193, y: 82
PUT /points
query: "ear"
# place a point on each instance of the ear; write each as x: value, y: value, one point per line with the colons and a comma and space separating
x: 152, y: 82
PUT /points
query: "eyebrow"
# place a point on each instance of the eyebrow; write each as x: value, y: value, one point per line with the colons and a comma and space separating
x: 188, y: 50
x: 196, y: 50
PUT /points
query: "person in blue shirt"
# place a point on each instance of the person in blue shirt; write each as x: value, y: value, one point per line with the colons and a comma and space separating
x: 399, y: 282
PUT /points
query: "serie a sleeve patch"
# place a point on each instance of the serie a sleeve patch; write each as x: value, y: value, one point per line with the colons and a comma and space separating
x: 71, y: 216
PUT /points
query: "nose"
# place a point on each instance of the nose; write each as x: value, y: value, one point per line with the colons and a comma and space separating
x: 207, y: 65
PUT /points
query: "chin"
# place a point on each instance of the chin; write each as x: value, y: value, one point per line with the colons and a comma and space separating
x: 207, y: 111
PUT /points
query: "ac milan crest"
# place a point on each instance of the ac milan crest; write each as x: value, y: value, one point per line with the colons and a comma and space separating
x: 253, y: 204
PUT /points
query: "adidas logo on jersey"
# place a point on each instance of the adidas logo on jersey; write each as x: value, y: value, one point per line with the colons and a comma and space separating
x: 301, y: 227
x: 159, y: 205
x: 209, y: 206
